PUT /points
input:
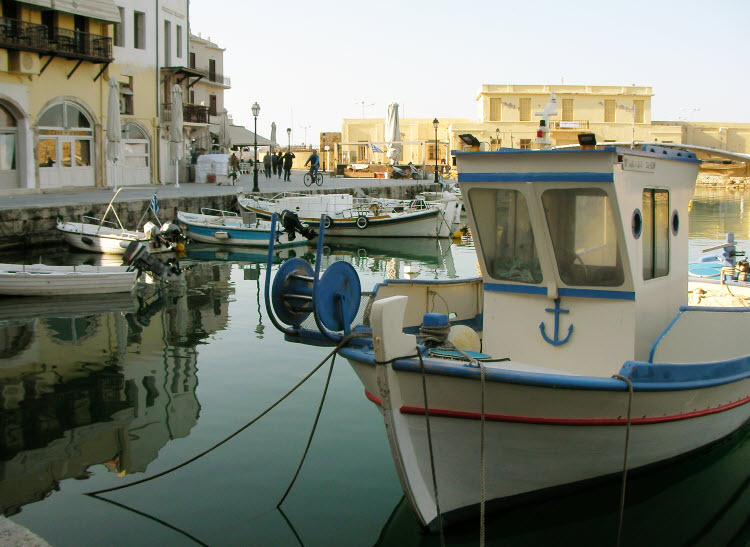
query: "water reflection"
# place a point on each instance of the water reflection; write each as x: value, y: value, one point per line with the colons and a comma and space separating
x: 105, y: 380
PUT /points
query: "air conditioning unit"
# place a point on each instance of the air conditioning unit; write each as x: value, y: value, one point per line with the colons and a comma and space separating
x: 24, y: 62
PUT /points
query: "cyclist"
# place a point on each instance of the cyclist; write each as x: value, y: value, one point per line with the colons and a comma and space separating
x: 314, y: 161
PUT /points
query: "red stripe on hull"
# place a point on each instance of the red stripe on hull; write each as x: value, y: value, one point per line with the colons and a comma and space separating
x: 562, y: 421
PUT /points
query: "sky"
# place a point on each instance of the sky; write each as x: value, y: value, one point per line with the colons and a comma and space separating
x: 309, y: 65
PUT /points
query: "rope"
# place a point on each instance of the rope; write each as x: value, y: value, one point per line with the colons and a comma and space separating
x: 625, y: 462
x: 237, y: 432
x: 312, y: 433
x: 482, y: 514
x: 429, y: 444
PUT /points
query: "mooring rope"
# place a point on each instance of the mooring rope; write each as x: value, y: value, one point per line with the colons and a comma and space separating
x: 312, y: 434
x: 237, y: 432
x: 429, y: 444
x: 625, y: 458
x: 482, y: 514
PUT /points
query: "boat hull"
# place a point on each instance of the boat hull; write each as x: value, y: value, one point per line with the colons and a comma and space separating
x: 41, y: 280
x: 536, y: 437
x: 436, y: 221
x: 231, y: 231
x: 98, y: 239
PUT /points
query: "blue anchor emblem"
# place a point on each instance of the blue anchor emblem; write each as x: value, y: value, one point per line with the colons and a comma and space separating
x: 557, y: 311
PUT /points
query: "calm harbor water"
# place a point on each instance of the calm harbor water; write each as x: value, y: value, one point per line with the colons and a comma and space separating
x: 102, y: 391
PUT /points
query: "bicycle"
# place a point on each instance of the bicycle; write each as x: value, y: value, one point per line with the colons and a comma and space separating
x: 313, y: 176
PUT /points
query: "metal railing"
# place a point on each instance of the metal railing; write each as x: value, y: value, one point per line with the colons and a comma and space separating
x: 26, y: 36
x: 573, y: 124
x: 191, y: 113
x: 213, y: 76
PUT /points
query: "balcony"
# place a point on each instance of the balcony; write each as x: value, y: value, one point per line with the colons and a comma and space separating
x: 60, y: 42
x: 191, y: 113
x: 571, y: 125
x: 215, y: 77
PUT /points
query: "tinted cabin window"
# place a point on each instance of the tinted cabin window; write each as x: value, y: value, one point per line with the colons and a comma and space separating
x: 584, y: 236
x: 655, y: 233
x: 505, y: 234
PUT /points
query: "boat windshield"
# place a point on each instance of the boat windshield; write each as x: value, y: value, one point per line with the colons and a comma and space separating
x: 584, y: 236
x: 505, y: 234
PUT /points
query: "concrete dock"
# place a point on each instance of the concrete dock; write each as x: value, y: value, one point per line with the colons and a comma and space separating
x: 28, y: 217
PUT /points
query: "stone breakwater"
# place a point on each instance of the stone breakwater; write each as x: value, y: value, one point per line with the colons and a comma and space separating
x: 717, y: 180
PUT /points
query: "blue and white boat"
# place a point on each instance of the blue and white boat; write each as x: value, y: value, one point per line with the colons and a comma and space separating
x: 573, y: 359
x: 229, y: 228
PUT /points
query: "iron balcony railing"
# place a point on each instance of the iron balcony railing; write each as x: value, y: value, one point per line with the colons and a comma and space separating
x: 572, y: 124
x: 25, y: 36
x: 214, y: 76
x: 191, y: 113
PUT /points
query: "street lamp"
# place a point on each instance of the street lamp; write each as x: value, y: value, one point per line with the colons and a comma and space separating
x: 289, y: 136
x: 435, y: 124
x: 256, y: 111
x: 497, y: 138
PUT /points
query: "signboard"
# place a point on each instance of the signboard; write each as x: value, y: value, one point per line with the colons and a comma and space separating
x: 634, y: 163
x: 568, y: 125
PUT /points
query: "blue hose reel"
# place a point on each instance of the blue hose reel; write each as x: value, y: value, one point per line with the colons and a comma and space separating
x: 299, y: 290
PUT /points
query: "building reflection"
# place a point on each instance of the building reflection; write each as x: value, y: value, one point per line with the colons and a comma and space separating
x: 107, y: 380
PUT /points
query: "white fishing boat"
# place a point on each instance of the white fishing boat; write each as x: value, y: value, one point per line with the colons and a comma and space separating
x: 574, y: 358
x: 348, y: 216
x: 100, y: 235
x: 43, y: 280
x: 229, y: 228
x: 720, y: 280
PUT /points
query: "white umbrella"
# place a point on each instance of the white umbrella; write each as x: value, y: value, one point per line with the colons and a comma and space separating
x: 273, y: 132
x: 392, y: 134
x: 176, y: 141
x: 114, y: 146
x: 225, y: 133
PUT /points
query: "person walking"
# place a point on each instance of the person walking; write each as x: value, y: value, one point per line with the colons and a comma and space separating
x: 267, y: 165
x: 275, y: 167
x: 288, y: 157
x: 280, y: 161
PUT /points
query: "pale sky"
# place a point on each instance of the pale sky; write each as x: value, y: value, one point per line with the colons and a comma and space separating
x: 311, y: 64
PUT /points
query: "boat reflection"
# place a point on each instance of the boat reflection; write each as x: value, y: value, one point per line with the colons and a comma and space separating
x: 107, y: 380
x: 396, y: 257
x: 239, y: 254
x: 661, y: 505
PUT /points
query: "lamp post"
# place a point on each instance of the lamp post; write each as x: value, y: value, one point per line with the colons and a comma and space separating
x: 289, y: 137
x: 256, y: 111
x: 497, y: 138
x: 435, y: 124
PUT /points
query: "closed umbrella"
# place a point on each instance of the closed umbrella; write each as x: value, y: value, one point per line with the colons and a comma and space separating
x: 225, y: 133
x: 114, y: 145
x: 273, y: 133
x: 176, y: 141
x: 392, y: 134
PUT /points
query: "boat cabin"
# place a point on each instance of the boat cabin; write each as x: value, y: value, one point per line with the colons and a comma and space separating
x: 583, y: 253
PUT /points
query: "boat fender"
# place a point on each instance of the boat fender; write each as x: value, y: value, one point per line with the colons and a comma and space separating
x: 87, y: 240
x: 464, y: 338
x: 328, y: 222
x: 362, y: 222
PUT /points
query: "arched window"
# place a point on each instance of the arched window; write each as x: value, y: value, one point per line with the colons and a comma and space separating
x: 136, y: 144
x: 8, y: 139
x: 65, y: 137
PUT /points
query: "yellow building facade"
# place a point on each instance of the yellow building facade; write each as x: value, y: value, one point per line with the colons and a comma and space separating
x: 508, y: 116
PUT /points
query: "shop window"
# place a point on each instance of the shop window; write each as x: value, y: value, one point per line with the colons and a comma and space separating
x: 65, y: 137
x: 8, y: 139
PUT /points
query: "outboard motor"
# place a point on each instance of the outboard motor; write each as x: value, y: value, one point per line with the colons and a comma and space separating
x: 137, y: 257
x: 171, y: 232
x: 292, y: 225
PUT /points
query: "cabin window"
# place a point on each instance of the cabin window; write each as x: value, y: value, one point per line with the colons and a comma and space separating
x: 505, y: 234
x: 656, y: 227
x: 584, y: 236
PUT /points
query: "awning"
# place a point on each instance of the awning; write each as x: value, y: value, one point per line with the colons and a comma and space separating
x: 242, y: 137
x: 104, y: 10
